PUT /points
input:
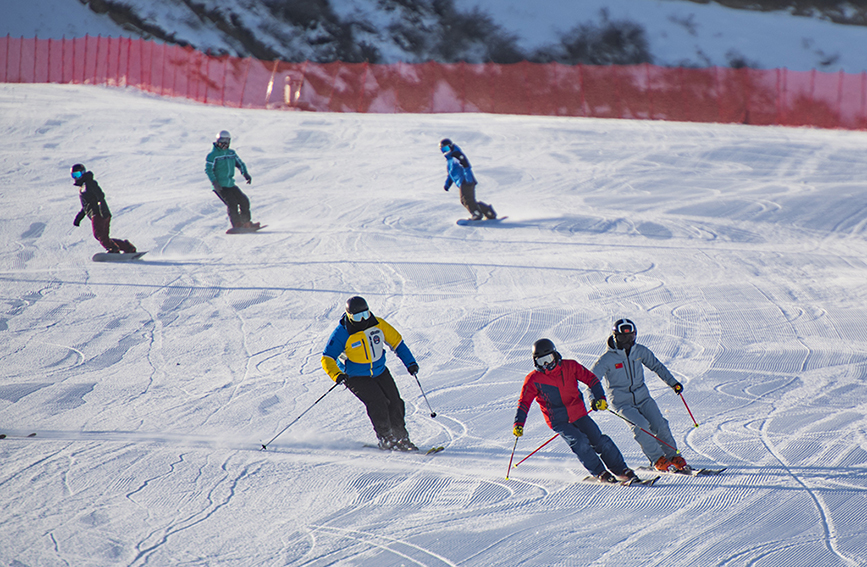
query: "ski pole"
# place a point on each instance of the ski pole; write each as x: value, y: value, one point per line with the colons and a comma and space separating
x: 688, y: 410
x: 265, y: 445
x: 537, y: 450
x: 515, y: 446
x: 432, y: 412
x: 641, y: 428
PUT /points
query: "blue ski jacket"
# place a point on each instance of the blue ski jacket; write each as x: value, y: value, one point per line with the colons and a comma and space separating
x: 459, y: 169
x: 358, y: 349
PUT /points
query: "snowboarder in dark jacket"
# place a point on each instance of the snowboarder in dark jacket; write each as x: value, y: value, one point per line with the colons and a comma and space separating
x: 355, y: 356
x: 554, y: 384
x: 460, y: 172
x: 220, y: 168
x: 94, y: 206
x: 621, y: 368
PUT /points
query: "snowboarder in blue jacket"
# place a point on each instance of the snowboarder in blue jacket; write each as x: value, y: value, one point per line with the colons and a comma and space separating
x: 460, y: 172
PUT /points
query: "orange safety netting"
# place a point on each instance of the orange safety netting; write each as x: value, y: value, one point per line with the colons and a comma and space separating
x: 646, y: 92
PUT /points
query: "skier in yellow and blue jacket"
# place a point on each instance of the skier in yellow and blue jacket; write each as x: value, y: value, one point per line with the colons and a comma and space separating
x: 355, y: 357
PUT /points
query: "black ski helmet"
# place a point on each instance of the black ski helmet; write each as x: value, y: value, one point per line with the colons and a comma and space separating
x: 446, y: 145
x: 624, y: 333
x: 542, y: 348
x: 355, y: 305
x: 77, y: 168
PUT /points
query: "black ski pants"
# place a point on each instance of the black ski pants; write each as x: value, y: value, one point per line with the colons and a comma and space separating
x: 385, y: 408
x: 237, y: 204
x: 468, y: 200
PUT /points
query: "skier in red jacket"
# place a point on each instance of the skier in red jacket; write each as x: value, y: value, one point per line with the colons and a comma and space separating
x: 554, y: 384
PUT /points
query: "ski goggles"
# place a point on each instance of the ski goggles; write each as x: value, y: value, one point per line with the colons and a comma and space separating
x: 360, y: 316
x: 77, y: 174
x: 446, y: 149
x: 624, y: 329
x: 546, y: 360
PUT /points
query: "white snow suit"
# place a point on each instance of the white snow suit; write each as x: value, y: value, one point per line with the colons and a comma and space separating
x: 622, y: 373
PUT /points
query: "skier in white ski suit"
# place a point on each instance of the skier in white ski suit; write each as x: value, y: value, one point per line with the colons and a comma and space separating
x: 621, y: 370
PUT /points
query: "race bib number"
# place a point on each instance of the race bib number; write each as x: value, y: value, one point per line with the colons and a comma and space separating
x: 376, y: 340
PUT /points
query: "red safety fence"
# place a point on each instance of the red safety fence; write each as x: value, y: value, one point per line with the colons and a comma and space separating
x: 647, y: 92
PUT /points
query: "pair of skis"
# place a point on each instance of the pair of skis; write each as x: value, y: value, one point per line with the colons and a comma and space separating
x: 432, y: 451
x: 658, y: 474
x: 688, y: 472
x: 634, y: 481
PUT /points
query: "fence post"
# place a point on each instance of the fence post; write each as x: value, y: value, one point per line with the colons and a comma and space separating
x: 361, y: 90
x: 781, y: 96
x: 271, y: 83
x: 463, y: 86
x: 244, y: 83
x: 840, y: 100
x: 864, y: 95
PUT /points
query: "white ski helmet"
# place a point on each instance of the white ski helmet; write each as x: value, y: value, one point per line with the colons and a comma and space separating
x: 223, y: 139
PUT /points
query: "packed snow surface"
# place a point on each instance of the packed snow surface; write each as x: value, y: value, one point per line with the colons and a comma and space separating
x: 739, y: 252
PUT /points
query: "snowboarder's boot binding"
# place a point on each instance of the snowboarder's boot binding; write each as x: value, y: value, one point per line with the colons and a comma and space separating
x: 405, y: 445
x: 387, y: 443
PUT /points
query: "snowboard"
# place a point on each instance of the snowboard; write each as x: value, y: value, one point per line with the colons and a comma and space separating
x: 471, y: 222
x: 242, y: 230
x: 121, y: 257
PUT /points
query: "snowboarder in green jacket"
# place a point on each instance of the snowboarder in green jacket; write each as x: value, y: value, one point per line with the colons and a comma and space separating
x: 220, y: 166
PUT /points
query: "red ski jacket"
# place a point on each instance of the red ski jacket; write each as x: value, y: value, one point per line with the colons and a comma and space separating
x: 558, y: 393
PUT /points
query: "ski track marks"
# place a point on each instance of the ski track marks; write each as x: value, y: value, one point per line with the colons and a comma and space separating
x: 737, y: 250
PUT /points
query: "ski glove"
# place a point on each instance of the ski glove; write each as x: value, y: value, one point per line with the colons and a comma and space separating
x: 249, y: 179
x: 412, y: 368
x: 518, y: 430
x: 78, y: 217
x: 446, y: 187
x: 340, y: 378
x: 678, y: 388
x: 599, y: 405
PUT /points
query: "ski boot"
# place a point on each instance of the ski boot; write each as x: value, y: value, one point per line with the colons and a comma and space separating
x: 663, y: 464
x: 627, y: 475
x: 679, y: 463
x: 607, y: 477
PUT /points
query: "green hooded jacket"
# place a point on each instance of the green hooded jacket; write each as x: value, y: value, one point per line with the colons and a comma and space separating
x: 220, y: 166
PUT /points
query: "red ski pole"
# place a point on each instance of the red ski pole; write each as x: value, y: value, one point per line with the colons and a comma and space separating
x: 537, y: 450
x: 688, y: 410
x: 641, y: 428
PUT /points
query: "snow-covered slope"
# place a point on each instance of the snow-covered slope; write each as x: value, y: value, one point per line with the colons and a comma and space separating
x: 739, y: 251
x: 678, y: 32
